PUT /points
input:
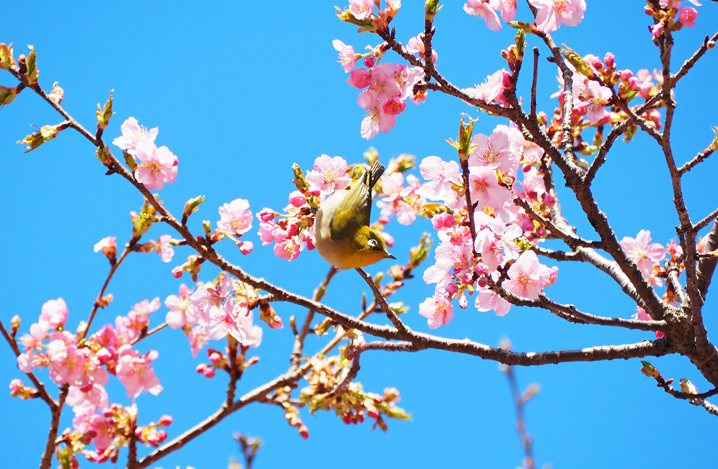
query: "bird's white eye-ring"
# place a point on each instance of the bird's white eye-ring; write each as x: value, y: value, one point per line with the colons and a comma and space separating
x: 372, y: 243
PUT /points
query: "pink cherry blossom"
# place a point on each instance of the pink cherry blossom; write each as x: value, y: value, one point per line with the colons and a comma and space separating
x: 361, y: 9
x: 235, y: 320
x: 65, y: 361
x: 490, y: 90
x: 30, y: 360
x: 329, y: 174
x: 495, y: 151
x: 495, y: 241
x: 181, y: 310
x: 54, y: 313
x: 135, y: 371
x: 347, y: 57
x: 415, y: 45
x: 399, y: 199
x: 437, y: 309
x: 87, y: 401
x: 38, y: 333
x: 69, y: 364
x: 485, y: 9
x: 508, y: 9
x: 376, y: 118
x: 288, y: 247
x: 487, y: 300
x: 687, y: 16
x: 440, y: 175
x: 157, y: 166
x: 485, y: 188
x: 132, y: 134
x: 108, y: 246
x: 106, y: 336
x: 593, y: 98
x: 163, y: 247
x: 211, y: 294
x: 197, y: 339
x: 644, y: 253
x: 137, y: 320
x: 235, y: 218
x: 674, y: 249
x: 297, y: 199
x: 553, y: 13
x: 527, y: 277
x: 360, y: 78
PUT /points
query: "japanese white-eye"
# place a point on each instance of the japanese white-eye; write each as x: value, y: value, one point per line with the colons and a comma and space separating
x: 342, y: 234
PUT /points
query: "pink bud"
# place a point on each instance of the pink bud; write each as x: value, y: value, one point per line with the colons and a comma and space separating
x: 165, y: 421
x: 215, y: 357
x: 246, y: 247
x: 297, y: 199
x: 549, y: 199
x: 443, y: 221
x: 610, y: 60
x: 266, y: 215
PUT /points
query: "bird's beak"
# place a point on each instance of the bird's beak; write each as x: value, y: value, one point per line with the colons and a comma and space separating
x: 389, y: 256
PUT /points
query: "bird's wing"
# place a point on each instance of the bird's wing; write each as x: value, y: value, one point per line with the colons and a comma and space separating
x: 355, y: 209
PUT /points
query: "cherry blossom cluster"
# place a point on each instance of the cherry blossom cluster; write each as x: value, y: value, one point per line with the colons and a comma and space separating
x: 550, y: 15
x: 671, y: 16
x: 216, y: 309
x: 84, y: 365
x: 596, y: 87
x: 156, y: 166
x: 386, y: 87
x: 328, y: 390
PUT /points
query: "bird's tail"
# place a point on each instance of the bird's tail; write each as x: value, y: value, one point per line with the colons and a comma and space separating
x: 374, y: 174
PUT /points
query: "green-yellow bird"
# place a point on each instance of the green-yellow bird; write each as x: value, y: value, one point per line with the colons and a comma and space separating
x: 342, y: 234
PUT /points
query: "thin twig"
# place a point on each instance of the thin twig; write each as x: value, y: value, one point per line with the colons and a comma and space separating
x: 400, y: 326
x: 519, y: 403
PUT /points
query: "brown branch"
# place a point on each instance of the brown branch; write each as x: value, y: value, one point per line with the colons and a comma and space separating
x: 54, y: 428
x: 570, y: 239
x: 301, y: 336
x: 534, y: 83
x: 616, y: 131
x: 706, y: 221
x: 400, y: 326
x: 519, y: 403
x: 699, y: 158
x: 688, y: 64
x: 101, y: 294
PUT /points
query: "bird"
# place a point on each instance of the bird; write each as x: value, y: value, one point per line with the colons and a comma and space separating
x: 342, y: 234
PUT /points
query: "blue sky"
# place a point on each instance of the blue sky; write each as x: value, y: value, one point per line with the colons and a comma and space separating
x: 239, y: 92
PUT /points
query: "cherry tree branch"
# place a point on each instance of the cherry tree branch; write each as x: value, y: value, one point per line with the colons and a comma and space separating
x: 99, y: 301
x: 400, y: 326
x: 46, y: 461
x: 519, y: 403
